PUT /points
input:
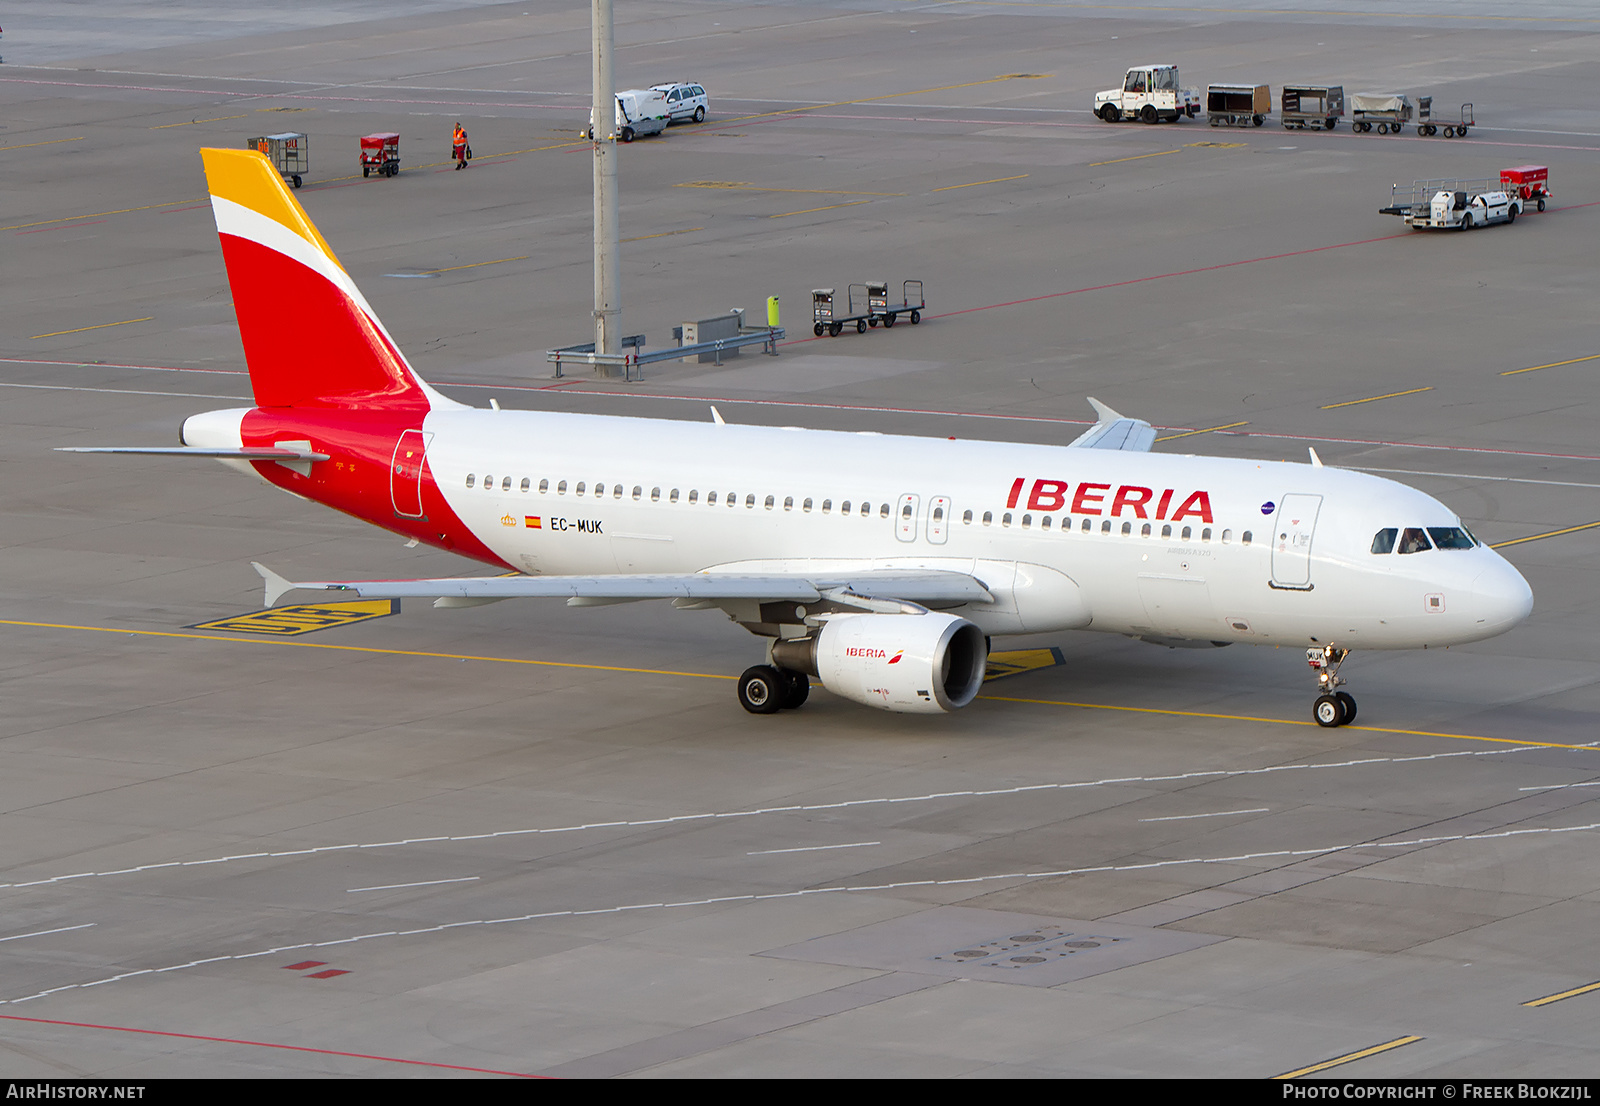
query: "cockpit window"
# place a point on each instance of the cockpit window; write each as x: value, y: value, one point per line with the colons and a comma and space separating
x: 1450, y: 537
x: 1413, y: 540
x: 1383, y: 540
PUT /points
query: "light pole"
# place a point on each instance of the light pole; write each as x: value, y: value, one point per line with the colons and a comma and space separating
x: 602, y: 134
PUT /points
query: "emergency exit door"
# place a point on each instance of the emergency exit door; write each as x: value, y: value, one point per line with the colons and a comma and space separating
x: 1293, y: 528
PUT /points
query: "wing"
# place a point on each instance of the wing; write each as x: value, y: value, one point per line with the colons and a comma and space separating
x: 1114, y: 431
x: 874, y: 585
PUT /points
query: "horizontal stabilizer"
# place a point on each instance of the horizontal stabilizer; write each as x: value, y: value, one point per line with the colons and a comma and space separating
x: 1115, y: 431
x: 930, y: 586
x: 232, y: 453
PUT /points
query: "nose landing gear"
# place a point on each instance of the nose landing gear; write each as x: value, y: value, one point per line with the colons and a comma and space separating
x: 1332, y: 708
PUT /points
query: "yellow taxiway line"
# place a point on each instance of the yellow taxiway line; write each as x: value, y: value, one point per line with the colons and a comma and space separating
x: 1548, y: 999
x: 974, y: 184
x: 1207, y: 430
x: 1550, y: 534
x: 1345, y: 1059
x: 1135, y: 157
x: 1371, y: 399
x: 1551, y: 365
x: 50, y: 142
x: 96, y: 326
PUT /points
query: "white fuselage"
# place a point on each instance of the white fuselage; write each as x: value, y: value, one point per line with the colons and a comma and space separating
x: 1156, y: 545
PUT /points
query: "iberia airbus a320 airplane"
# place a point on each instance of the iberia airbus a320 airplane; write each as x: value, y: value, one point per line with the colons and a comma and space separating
x: 879, y: 564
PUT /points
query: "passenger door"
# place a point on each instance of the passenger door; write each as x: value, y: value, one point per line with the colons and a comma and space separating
x: 1292, y: 531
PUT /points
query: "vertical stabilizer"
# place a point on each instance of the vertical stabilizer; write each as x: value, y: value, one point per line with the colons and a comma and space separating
x: 310, y: 337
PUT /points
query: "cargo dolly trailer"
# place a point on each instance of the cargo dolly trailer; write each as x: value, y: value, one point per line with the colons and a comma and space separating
x: 1238, y: 105
x: 1309, y: 105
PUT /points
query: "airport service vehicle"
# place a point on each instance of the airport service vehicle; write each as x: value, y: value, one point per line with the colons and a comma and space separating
x: 881, y: 564
x: 380, y: 153
x: 1314, y: 106
x: 1453, y: 204
x: 640, y: 111
x: 1149, y: 93
x: 1529, y: 183
x: 1238, y: 105
x: 685, y: 100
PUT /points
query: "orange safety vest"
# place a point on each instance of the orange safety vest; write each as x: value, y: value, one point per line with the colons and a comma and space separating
x: 460, y: 138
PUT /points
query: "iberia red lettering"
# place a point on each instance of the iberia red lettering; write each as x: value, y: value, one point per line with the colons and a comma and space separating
x: 1085, y: 496
x: 1198, y: 504
x: 1131, y: 497
x: 1016, y: 490
x: 1048, y: 495
x: 1166, y: 501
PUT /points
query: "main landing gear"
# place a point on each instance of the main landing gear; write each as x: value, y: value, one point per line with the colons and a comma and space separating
x: 764, y: 689
x: 1332, y: 708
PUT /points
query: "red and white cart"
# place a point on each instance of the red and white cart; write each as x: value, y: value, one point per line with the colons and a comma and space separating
x: 380, y: 153
x: 1531, y: 182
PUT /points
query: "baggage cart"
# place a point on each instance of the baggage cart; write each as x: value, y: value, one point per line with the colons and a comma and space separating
x: 1238, y: 105
x: 1428, y: 124
x: 1389, y: 110
x: 380, y: 153
x: 290, y: 153
x: 1530, y: 182
x: 1309, y: 105
x: 911, y: 303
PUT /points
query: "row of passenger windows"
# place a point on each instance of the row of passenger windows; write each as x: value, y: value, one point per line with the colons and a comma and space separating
x: 1045, y: 522
x: 1415, y: 539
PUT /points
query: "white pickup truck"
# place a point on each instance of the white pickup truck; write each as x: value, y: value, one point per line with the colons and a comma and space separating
x: 1149, y: 93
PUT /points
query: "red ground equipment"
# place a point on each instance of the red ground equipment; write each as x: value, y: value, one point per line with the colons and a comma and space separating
x: 1531, y: 182
x: 380, y: 153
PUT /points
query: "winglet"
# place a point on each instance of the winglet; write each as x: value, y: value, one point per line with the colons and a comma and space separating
x: 1114, y: 430
x: 1315, y: 460
x: 1104, y: 413
x: 716, y: 416
x: 276, y: 585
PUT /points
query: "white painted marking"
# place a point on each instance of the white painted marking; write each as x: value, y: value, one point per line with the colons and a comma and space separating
x: 1475, y: 476
x: 717, y: 900
x: 1181, y: 777
x: 47, y: 932
x: 1559, y: 786
x: 398, y: 886
x: 814, y: 848
x: 1217, y: 814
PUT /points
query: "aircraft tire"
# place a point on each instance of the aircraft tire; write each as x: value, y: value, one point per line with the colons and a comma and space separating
x: 1327, y: 710
x: 1348, y: 702
x: 799, y: 689
x: 763, y: 689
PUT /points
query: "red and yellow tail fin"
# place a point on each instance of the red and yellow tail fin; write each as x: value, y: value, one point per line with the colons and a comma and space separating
x: 310, y: 337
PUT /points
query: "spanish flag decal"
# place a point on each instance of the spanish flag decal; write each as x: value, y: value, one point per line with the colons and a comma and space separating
x: 533, y: 522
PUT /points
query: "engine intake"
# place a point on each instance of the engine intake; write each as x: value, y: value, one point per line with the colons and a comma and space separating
x: 909, y: 663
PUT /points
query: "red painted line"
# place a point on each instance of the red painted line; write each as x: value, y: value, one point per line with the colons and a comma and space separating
x: 329, y: 974
x: 267, y: 1044
x: 114, y: 365
x: 68, y: 226
x: 304, y: 965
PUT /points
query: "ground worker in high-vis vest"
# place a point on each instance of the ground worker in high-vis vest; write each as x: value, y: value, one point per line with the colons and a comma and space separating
x: 458, y: 146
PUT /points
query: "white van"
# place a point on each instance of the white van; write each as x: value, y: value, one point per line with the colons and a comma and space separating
x: 640, y: 111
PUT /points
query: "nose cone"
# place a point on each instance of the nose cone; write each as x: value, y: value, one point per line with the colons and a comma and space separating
x: 1501, y: 597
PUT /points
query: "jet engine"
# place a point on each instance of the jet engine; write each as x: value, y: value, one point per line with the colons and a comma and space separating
x: 925, y: 663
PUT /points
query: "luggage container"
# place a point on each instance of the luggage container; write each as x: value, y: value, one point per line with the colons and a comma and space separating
x: 1310, y: 105
x: 1530, y: 182
x: 380, y: 153
x: 1238, y: 105
x: 1389, y: 110
x: 290, y: 153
